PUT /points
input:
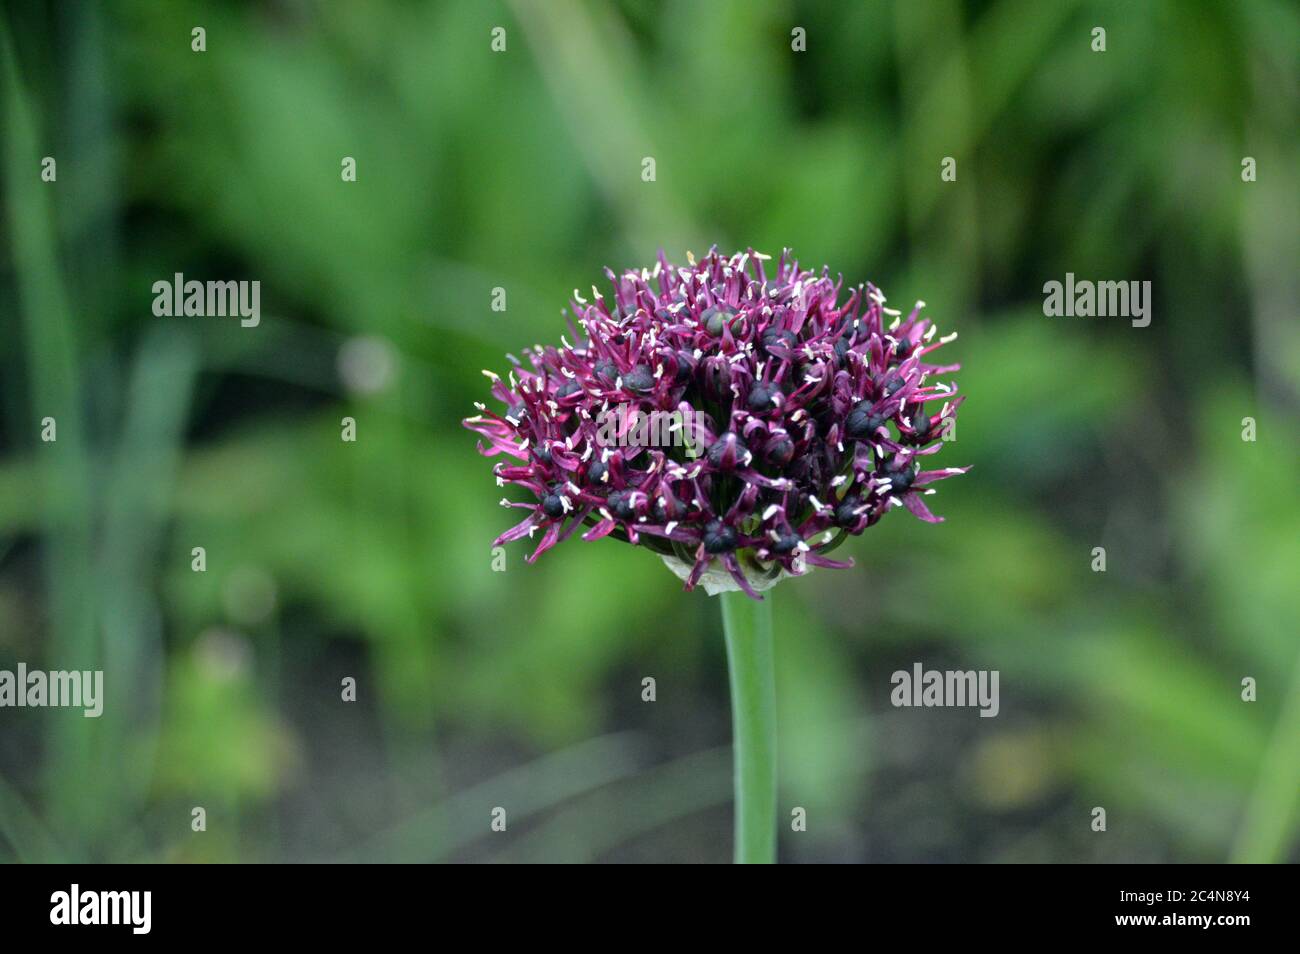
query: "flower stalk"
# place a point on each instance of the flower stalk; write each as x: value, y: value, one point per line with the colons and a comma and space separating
x: 747, y: 625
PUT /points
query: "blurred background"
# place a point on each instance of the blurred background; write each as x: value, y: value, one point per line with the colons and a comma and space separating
x: 522, y: 170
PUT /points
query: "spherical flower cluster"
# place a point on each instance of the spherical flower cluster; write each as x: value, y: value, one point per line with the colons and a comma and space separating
x: 797, y: 420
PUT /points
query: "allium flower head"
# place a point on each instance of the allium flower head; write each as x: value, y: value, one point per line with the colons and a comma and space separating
x: 797, y: 419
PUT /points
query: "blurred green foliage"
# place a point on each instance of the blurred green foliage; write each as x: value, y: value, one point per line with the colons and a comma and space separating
x: 522, y: 170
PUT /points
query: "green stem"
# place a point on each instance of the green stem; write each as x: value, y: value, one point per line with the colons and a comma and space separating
x: 747, y: 625
x: 1271, y: 811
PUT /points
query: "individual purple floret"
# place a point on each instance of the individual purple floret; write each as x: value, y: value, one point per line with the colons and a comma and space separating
x: 789, y: 419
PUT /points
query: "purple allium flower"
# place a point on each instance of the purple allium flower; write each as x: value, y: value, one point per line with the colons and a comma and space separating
x: 800, y: 419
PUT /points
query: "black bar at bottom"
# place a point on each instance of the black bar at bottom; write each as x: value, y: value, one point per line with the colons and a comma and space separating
x: 336, y: 904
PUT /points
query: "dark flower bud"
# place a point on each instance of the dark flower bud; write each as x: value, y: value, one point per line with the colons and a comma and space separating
x: 780, y: 451
x: 718, y: 537
x: 668, y: 509
x: 786, y: 543
x: 596, y: 470
x: 846, y: 513
x: 685, y: 368
x: 843, y: 345
x: 717, y: 378
x: 920, y: 422
x: 620, y: 505
x: 568, y: 388
x: 727, y: 452
x: 863, y: 422
x: 552, y: 505
x: 640, y: 379
x: 716, y: 320
x: 542, y: 453
x: 761, y: 397
x: 778, y: 338
x: 900, y: 480
x: 607, y: 370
